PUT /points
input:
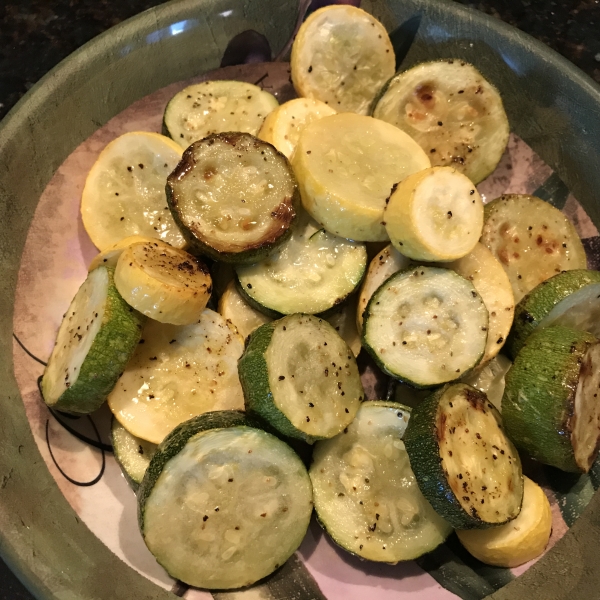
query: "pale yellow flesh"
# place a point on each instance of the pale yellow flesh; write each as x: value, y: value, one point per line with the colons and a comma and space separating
x: 490, y: 379
x: 215, y: 107
x: 110, y: 256
x: 366, y: 493
x: 178, y: 372
x: 343, y: 57
x: 124, y: 192
x: 346, y: 166
x: 163, y: 283
x: 283, y: 126
x: 228, y: 509
x: 454, y: 114
x: 519, y: 541
x: 435, y: 214
x: 343, y: 320
x: 233, y: 308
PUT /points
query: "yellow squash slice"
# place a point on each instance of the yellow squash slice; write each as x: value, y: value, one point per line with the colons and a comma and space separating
x: 110, y: 256
x: 236, y: 310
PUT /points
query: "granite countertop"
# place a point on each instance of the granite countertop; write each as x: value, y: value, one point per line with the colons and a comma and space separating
x: 35, y: 35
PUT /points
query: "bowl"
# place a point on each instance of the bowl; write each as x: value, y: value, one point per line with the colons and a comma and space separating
x: 551, y: 105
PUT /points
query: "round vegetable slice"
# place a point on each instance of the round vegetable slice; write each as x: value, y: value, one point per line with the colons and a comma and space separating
x: 343, y: 319
x: 162, y: 282
x: 96, y: 338
x: 216, y: 485
x: 519, y: 541
x: 550, y: 404
x: 346, y: 166
x: 330, y: 65
x: 283, y: 126
x: 569, y: 299
x: 124, y: 192
x: 300, y: 376
x: 233, y: 308
x: 210, y: 107
x: 110, y: 256
x: 234, y: 197
x: 365, y: 493
x: 464, y: 463
x: 532, y: 240
x: 450, y: 109
x: 435, y: 215
x: 177, y: 373
x: 426, y: 326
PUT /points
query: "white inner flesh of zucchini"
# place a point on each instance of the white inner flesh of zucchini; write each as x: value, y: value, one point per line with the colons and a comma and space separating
x: 482, y: 466
x: 447, y: 216
x: 235, y: 196
x: 586, y: 428
x: 216, y: 107
x: 427, y: 326
x: 308, y: 274
x: 125, y: 192
x: 230, y: 508
x: 532, y: 240
x: 452, y: 112
x: 579, y: 310
x: 76, y: 335
x: 313, y: 376
x: 132, y: 453
x: 177, y: 373
x: 366, y: 494
x: 491, y: 379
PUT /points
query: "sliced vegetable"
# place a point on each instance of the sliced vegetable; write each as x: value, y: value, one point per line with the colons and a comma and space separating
x: 570, y: 298
x: 343, y: 319
x: 216, y: 107
x: 178, y: 372
x: 426, y: 326
x: 96, y: 338
x: 532, y: 240
x: 234, y: 197
x: 365, y: 493
x: 216, y: 485
x: 110, y: 256
x: 452, y: 112
x: 464, y: 463
x: 434, y: 214
x: 550, y: 404
x: 312, y: 272
x: 233, y: 308
x: 491, y: 379
x: 328, y: 64
x: 283, y: 126
x: 132, y: 454
x: 124, y: 192
x: 346, y: 166
x: 300, y: 376
x: 520, y: 540
x: 164, y: 283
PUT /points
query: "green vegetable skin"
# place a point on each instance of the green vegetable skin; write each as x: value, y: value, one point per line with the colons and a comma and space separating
x: 539, y: 397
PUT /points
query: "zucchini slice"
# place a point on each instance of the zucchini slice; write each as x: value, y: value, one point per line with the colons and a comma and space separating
x: 164, y: 283
x: 178, y: 372
x: 223, y: 503
x: 96, y: 339
x: 435, y: 214
x: 519, y: 541
x: 532, y: 240
x: 233, y: 308
x: 110, y: 256
x: 124, y: 193
x: 132, y: 454
x: 550, y: 404
x: 491, y: 379
x: 383, y: 265
x: 283, y: 126
x: 464, y: 463
x: 426, y: 326
x: 452, y: 112
x: 570, y: 299
x: 233, y: 196
x: 343, y: 319
x: 216, y: 107
x: 300, y: 376
x: 312, y: 272
x: 365, y: 493
x: 328, y: 64
x: 346, y: 166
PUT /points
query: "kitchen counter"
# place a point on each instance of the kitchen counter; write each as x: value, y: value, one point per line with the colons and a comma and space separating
x: 35, y: 35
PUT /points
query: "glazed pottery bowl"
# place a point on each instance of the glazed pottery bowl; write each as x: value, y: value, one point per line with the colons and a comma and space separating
x: 552, y: 106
